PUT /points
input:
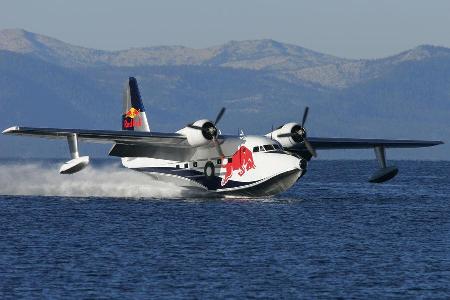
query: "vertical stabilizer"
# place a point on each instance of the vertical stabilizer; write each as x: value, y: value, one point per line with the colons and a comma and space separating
x: 133, y: 117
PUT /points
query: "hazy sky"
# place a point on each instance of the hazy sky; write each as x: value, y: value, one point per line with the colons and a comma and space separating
x: 346, y: 28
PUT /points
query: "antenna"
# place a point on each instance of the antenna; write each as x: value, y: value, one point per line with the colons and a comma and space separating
x: 271, y: 133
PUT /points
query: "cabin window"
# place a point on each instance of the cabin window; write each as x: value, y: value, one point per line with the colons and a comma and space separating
x: 194, y: 164
x: 256, y: 149
x: 269, y: 147
x: 230, y: 160
x: 186, y: 165
x: 277, y: 146
x: 219, y: 161
x: 261, y: 148
x: 177, y: 166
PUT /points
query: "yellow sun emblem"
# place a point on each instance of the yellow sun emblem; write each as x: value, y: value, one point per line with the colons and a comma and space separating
x: 132, y: 113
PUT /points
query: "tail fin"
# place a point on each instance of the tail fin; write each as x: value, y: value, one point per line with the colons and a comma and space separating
x: 133, y: 117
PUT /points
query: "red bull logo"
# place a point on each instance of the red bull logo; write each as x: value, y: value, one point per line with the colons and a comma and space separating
x: 241, y: 160
x: 132, y: 118
x: 132, y: 113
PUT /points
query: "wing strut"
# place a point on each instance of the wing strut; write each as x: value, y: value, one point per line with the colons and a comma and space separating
x: 73, y: 145
x: 77, y: 163
x: 384, y: 173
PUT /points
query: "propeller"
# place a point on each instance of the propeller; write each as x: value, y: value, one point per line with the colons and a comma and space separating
x: 210, y: 132
x: 305, y: 116
x: 219, y: 115
x: 298, y: 134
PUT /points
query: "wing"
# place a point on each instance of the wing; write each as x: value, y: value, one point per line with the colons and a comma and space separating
x: 348, y: 143
x: 170, y: 146
x: 385, y: 173
x: 103, y: 136
x: 321, y: 143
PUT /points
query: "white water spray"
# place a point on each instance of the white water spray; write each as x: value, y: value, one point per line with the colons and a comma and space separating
x: 43, y: 179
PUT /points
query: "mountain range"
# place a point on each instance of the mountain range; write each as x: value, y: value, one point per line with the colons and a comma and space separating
x: 262, y: 83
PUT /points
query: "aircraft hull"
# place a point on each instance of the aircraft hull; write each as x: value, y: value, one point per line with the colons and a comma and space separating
x: 247, y: 169
x: 263, y: 188
x: 267, y: 188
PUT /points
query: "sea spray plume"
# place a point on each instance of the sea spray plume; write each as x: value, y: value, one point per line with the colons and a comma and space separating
x: 43, y: 179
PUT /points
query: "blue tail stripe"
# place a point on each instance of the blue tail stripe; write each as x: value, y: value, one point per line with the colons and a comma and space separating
x: 136, y: 100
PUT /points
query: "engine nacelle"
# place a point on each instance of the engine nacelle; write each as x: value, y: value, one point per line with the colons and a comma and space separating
x: 199, y: 133
x: 287, y: 141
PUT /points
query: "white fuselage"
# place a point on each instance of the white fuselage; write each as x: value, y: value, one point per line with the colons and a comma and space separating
x: 252, y: 166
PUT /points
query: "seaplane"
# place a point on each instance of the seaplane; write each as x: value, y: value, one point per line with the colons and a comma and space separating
x: 201, y: 158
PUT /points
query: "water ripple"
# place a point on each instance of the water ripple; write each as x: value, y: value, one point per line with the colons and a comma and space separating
x: 331, y: 236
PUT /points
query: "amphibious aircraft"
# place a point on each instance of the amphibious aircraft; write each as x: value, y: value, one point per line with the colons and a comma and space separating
x: 199, y: 157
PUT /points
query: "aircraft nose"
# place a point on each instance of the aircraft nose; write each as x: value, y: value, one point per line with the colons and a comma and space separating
x: 303, y: 164
x: 295, y: 162
x: 298, y: 162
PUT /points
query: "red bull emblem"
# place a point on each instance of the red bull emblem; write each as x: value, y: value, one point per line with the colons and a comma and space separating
x: 241, y: 160
x: 132, y: 118
x: 132, y: 113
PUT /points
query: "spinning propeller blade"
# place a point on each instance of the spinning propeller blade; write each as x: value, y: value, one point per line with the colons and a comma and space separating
x: 310, y: 147
x: 303, y: 134
x: 218, y: 148
x: 216, y: 142
x: 305, y: 115
x: 219, y: 115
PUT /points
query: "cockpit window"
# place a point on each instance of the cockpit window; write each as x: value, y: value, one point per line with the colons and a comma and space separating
x: 272, y: 147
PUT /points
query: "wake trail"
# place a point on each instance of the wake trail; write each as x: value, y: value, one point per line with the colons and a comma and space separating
x: 43, y: 179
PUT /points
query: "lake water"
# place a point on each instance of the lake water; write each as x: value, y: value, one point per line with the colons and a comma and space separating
x: 109, y: 233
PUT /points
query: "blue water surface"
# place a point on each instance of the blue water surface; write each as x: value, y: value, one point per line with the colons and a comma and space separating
x: 332, y: 235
